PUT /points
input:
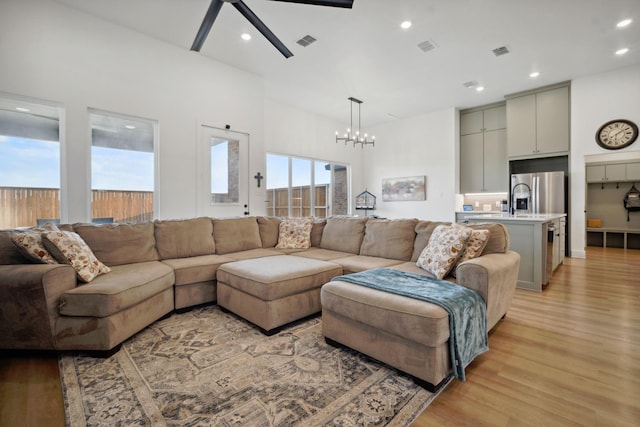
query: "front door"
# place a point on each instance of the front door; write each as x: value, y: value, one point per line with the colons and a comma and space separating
x: 223, y: 173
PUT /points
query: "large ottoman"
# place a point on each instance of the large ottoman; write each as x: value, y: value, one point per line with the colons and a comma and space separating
x: 273, y: 291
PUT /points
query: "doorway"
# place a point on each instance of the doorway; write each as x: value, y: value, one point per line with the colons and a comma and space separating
x: 223, y: 173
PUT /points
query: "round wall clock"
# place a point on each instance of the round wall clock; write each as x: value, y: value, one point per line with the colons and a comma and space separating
x: 617, y: 134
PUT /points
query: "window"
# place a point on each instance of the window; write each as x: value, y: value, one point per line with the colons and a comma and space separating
x: 122, y: 168
x: 29, y: 163
x: 304, y: 187
x: 225, y: 171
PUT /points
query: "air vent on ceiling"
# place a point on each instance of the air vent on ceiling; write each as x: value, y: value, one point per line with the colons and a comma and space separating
x: 306, y: 40
x: 499, y: 51
x: 427, y: 45
x: 470, y: 84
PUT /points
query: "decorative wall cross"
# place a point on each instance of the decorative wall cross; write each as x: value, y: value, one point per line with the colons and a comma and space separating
x: 259, y: 178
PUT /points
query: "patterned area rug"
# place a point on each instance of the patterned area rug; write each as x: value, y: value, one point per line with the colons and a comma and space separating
x: 211, y: 368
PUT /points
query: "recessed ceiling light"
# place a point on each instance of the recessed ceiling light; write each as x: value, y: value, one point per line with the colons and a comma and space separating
x: 405, y: 25
x: 534, y: 74
x: 622, y: 51
x: 246, y: 36
x: 624, y: 23
x: 480, y: 88
x: 22, y: 109
x: 130, y: 126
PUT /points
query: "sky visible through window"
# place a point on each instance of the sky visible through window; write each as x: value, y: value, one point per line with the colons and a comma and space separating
x: 278, y: 172
x: 30, y: 163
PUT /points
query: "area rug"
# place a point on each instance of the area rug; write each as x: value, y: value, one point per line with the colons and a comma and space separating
x: 207, y: 367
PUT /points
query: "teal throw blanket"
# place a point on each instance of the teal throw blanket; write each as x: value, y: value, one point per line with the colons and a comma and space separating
x: 467, y: 309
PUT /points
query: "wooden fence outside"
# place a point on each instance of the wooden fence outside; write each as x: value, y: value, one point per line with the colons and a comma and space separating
x: 22, y: 207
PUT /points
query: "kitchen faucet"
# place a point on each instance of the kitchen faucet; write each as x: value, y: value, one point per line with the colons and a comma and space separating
x: 513, y: 196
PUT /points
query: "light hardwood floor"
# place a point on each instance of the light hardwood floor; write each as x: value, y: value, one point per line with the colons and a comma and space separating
x: 569, y: 356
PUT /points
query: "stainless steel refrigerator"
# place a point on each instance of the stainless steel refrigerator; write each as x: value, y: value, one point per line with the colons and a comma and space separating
x: 537, y: 193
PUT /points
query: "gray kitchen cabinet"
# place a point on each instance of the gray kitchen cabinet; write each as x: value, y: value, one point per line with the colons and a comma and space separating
x: 538, y: 123
x: 483, y: 150
x: 606, y: 173
x: 633, y: 171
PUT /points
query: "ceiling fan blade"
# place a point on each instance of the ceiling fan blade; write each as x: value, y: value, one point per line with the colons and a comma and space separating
x: 260, y: 26
x: 207, y: 23
x: 334, y: 3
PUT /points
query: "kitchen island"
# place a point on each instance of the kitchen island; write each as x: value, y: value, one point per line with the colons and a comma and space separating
x: 530, y: 237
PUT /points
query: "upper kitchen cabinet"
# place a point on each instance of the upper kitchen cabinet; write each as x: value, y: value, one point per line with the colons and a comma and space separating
x: 483, y: 150
x: 538, y: 123
x: 613, y: 172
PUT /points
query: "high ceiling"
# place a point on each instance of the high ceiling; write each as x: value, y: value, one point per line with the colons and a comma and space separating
x: 363, y: 52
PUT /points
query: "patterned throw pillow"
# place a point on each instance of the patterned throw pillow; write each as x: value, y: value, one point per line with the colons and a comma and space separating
x: 295, y: 233
x: 475, y: 245
x: 29, y: 243
x: 68, y: 247
x: 445, y: 246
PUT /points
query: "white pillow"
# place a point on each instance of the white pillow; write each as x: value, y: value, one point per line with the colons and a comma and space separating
x: 295, y: 233
x: 68, y: 247
x: 445, y: 246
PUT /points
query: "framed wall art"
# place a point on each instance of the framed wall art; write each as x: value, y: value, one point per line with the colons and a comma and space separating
x: 410, y: 188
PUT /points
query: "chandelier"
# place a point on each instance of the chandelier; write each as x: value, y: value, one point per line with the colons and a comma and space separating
x: 352, y: 135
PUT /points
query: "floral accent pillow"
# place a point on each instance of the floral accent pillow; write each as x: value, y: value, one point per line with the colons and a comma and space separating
x: 29, y: 243
x: 445, y: 246
x: 68, y: 247
x: 475, y: 245
x: 295, y: 233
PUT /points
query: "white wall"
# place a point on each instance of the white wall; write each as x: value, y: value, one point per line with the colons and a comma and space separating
x: 595, y: 100
x: 55, y: 53
x: 291, y: 131
x: 422, y: 145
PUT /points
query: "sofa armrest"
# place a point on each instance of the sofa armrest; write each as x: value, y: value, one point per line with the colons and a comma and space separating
x: 29, y: 296
x: 493, y: 276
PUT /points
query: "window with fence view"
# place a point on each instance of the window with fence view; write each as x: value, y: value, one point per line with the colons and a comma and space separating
x: 300, y: 187
x: 29, y: 162
x: 122, y: 165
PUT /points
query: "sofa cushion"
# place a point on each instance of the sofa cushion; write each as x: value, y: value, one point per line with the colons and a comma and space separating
x: 443, y: 250
x: 423, y: 233
x: 184, y: 238
x: 413, y: 319
x: 29, y: 243
x: 253, y: 253
x: 269, y: 229
x: 236, y: 234
x: 126, y: 286
x: 316, y: 231
x: 9, y: 253
x: 343, y: 234
x: 196, y: 269
x: 117, y: 244
x: 295, y: 233
x: 498, y: 242
x: 68, y: 247
x: 396, y: 235
x: 357, y: 263
x: 322, y: 254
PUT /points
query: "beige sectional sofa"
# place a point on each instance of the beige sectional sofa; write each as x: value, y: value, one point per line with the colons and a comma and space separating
x: 160, y: 266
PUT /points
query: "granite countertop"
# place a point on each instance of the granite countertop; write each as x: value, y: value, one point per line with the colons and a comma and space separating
x: 507, y: 217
